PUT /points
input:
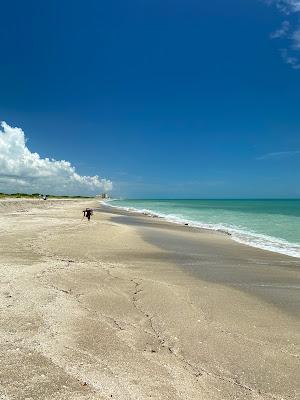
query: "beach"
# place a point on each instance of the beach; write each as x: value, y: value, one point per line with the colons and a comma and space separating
x: 128, y: 306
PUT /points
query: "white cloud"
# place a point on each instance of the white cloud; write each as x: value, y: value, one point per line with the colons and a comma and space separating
x: 290, y: 54
x: 279, y: 155
x: 286, y: 6
x: 24, y: 171
x: 292, y: 5
x: 291, y: 60
x: 282, y: 31
x: 296, y: 39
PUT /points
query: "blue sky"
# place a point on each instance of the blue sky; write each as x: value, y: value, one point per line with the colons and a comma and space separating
x: 181, y: 98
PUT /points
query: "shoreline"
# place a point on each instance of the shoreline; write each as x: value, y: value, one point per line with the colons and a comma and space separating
x: 126, y: 307
x: 233, y: 233
x: 257, y: 269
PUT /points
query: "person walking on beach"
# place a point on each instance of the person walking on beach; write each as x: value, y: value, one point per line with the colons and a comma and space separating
x: 87, y: 213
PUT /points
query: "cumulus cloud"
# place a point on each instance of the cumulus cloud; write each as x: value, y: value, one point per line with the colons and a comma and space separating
x: 24, y: 171
x: 289, y: 31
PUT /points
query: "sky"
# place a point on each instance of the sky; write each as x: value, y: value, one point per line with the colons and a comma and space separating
x: 151, y: 98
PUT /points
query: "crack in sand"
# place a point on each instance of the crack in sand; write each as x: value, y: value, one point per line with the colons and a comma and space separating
x: 156, y: 333
x: 196, y: 371
x: 96, y: 312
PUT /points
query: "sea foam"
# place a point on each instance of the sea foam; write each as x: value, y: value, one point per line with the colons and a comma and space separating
x: 243, y: 236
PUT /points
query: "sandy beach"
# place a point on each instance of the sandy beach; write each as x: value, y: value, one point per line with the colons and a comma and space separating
x: 133, y: 307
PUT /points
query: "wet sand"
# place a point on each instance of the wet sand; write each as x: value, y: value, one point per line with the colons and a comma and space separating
x: 131, y: 307
x: 274, y: 277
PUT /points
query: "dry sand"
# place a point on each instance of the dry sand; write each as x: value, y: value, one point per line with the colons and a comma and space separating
x: 130, y: 307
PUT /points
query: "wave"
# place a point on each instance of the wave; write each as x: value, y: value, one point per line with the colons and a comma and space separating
x: 240, y: 235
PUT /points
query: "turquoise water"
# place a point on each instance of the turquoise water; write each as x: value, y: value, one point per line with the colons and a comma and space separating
x: 268, y: 224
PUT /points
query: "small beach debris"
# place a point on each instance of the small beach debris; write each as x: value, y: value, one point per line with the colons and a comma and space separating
x: 186, y: 224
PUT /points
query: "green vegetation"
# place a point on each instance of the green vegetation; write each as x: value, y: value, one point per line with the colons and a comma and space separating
x: 37, y: 195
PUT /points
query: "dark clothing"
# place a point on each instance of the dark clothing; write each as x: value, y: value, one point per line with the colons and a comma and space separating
x: 87, y: 213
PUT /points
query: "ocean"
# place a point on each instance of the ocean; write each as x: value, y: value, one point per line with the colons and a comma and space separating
x: 272, y: 225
